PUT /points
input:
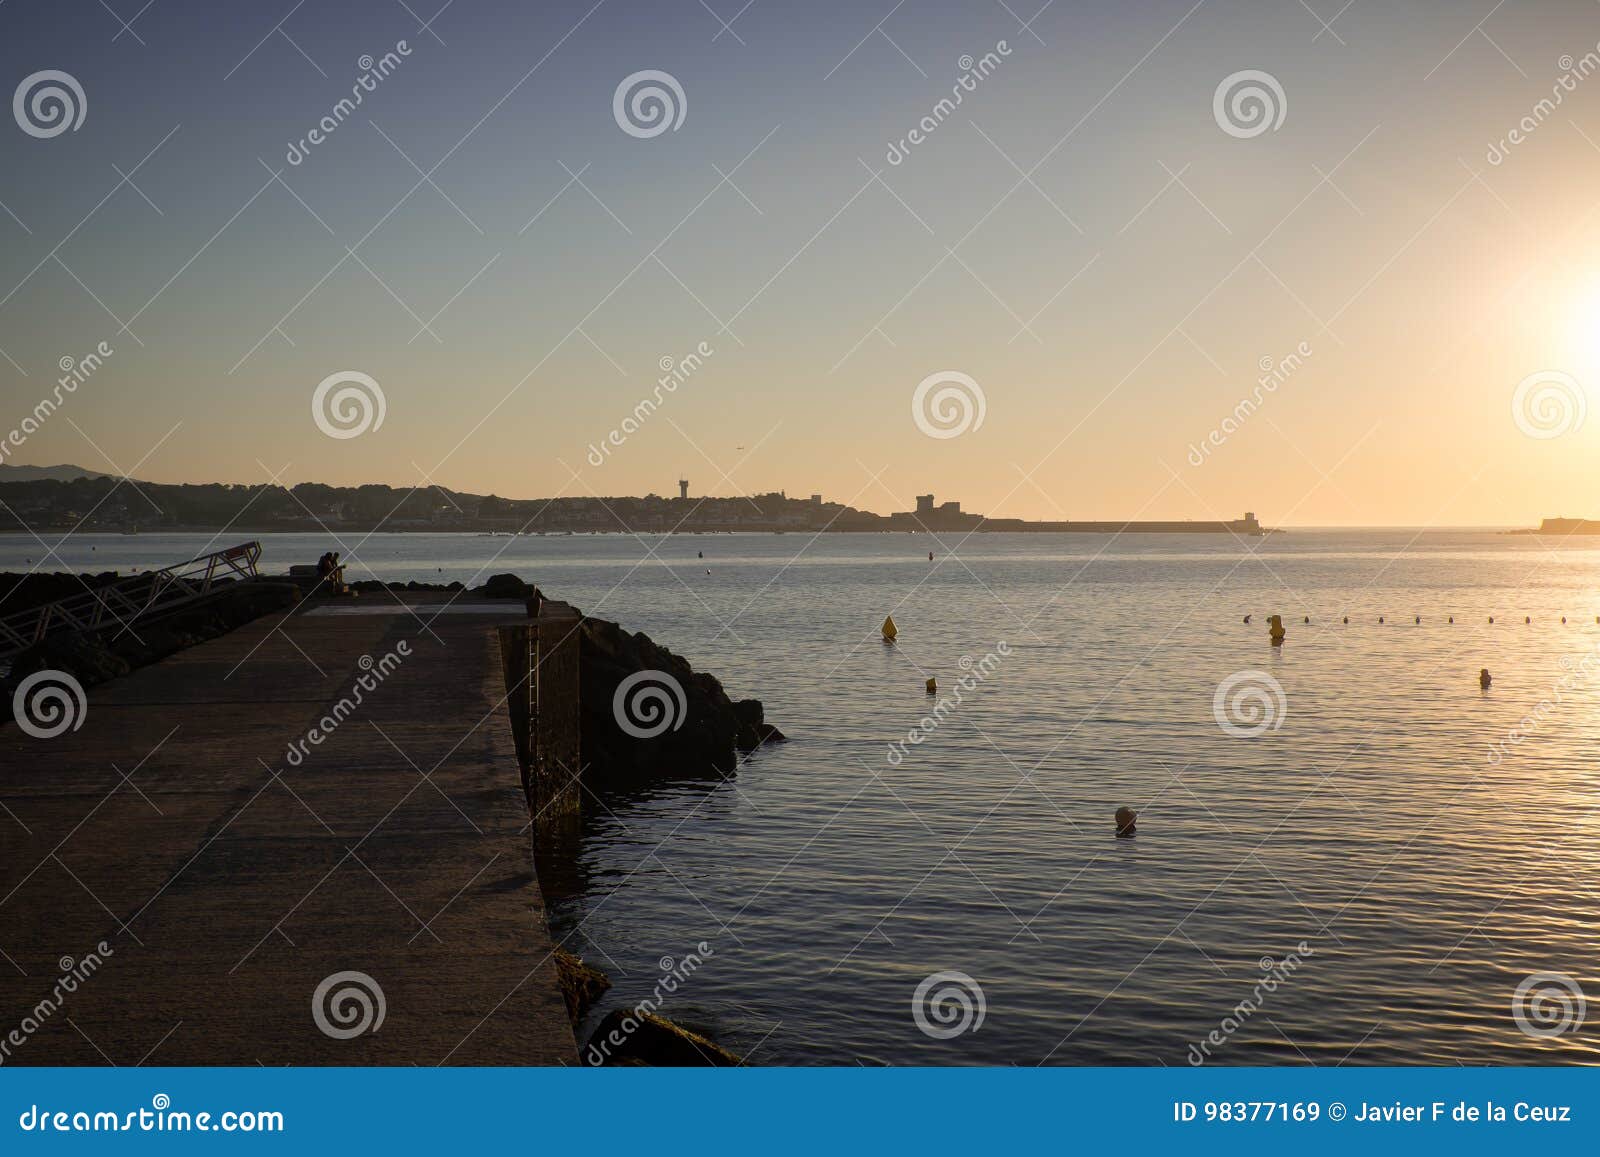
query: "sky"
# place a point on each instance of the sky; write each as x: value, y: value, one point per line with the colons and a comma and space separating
x: 1090, y: 258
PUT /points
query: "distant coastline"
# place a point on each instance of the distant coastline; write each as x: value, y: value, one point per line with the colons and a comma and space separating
x: 70, y: 499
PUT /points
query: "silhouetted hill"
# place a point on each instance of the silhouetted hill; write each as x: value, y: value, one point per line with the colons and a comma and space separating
x: 47, y: 473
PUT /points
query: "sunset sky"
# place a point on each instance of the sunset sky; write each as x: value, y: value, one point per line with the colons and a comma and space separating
x: 1080, y: 236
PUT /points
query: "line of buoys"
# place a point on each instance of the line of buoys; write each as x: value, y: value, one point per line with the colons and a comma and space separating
x: 1417, y: 619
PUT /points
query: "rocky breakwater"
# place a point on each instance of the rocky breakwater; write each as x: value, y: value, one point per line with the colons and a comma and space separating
x: 646, y: 712
x: 133, y: 641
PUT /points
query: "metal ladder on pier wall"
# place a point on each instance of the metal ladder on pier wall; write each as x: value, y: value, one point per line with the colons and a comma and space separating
x: 125, y: 601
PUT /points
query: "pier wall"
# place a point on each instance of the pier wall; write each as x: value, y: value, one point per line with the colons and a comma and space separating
x: 540, y: 661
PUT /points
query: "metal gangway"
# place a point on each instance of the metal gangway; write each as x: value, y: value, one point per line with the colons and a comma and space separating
x: 122, y: 603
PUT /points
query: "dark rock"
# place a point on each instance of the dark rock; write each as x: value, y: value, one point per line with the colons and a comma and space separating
x: 24, y: 591
x: 581, y: 984
x: 630, y: 1037
x: 703, y: 737
x: 95, y: 658
x: 506, y: 586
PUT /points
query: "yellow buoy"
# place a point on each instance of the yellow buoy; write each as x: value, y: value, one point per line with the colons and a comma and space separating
x: 889, y: 629
x: 1275, y: 629
x: 933, y: 686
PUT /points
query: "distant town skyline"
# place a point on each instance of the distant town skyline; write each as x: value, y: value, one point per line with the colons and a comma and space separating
x: 1174, y: 260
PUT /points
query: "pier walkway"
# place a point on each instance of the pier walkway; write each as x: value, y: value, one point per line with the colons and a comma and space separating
x: 231, y: 880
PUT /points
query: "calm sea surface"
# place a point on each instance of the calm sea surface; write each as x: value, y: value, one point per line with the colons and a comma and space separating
x: 1426, y: 871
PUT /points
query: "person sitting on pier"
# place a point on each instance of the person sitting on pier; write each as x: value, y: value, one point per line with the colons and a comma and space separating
x: 336, y: 574
x: 331, y: 572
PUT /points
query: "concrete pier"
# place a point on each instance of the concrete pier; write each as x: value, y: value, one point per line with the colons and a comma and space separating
x: 333, y: 792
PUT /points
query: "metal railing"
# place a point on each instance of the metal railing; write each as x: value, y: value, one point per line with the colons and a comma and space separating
x: 122, y: 603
